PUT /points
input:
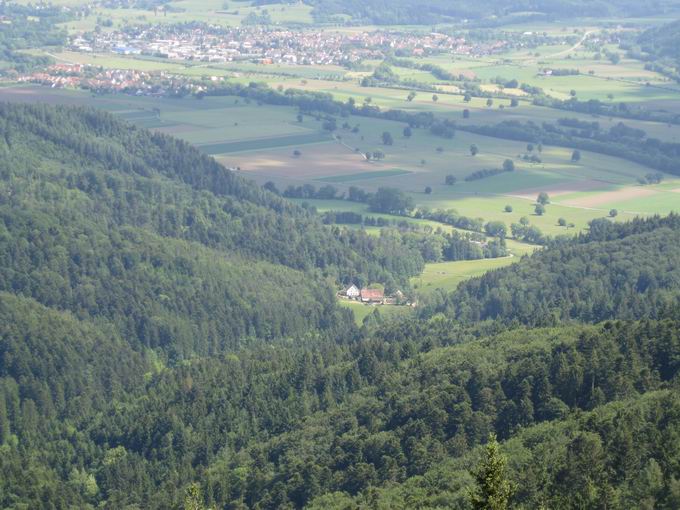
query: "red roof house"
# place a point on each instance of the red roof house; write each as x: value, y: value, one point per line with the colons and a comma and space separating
x: 372, y: 295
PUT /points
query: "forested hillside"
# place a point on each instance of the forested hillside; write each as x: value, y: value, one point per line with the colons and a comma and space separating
x: 615, y: 272
x: 662, y: 48
x: 169, y: 338
x: 662, y: 41
x: 25, y: 27
x: 438, y: 11
x: 132, y: 177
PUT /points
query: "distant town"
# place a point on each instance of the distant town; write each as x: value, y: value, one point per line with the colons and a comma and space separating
x: 264, y: 45
x: 209, y: 45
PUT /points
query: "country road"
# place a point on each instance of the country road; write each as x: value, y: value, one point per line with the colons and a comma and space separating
x: 563, y: 52
x: 573, y: 48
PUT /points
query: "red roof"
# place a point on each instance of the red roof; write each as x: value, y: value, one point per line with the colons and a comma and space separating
x: 372, y: 294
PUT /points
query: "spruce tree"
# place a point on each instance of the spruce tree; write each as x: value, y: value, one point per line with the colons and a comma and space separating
x: 493, y: 491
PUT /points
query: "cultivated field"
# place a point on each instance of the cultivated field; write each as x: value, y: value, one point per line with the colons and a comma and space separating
x: 260, y: 140
x: 328, y: 162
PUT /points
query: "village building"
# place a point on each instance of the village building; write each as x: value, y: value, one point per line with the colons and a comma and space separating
x: 352, y: 292
x: 372, y: 296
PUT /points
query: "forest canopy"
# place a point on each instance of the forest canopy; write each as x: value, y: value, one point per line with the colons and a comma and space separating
x: 170, y: 338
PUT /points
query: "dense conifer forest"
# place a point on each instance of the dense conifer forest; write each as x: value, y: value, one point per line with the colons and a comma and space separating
x: 170, y: 338
x: 414, y: 12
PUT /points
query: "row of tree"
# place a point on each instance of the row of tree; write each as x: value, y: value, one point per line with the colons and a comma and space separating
x: 620, y: 140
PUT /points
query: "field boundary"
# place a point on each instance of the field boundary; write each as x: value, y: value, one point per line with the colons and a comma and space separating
x: 255, y: 144
x: 360, y: 176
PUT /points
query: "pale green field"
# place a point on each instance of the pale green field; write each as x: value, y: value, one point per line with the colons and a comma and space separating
x: 361, y: 311
x: 669, y: 201
x: 116, y: 62
x: 516, y: 248
x: 491, y: 208
x: 556, y: 167
x: 234, y: 122
x: 448, y: 275
x: 416, y: 75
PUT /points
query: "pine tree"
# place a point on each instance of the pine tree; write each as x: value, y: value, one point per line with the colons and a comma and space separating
x: 493, y: 490
x: 193, y: 499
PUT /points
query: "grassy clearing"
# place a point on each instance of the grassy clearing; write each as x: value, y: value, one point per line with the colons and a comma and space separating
x: 448, y: 275
x: 361, y: 311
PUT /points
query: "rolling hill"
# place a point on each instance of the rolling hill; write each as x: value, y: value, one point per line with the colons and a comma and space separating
x: 169, y: 338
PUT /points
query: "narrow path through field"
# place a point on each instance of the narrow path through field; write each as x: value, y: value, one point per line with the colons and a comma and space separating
x: 341, y: 142
x: 573, y: 48
x: 62, y: 59
x: 531, y: 60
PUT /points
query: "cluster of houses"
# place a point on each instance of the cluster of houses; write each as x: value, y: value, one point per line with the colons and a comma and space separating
x: 130, y: 81
x: 374, y: 296
x: 267, y: 45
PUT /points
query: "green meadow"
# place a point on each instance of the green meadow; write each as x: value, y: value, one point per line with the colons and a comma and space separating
x: 361, y: 311
x: 447, y: 276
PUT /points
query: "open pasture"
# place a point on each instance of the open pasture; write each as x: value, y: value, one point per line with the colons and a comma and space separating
x: 448, y: 275
x: 363, y: 209
x: 635, y: 199
x: 598, y: 79
x: 492, y: 208
x: 361, y: 311
x: 361, y: 176
x: 227, y: 124
x: 609, y: 197
x: 38, y: 94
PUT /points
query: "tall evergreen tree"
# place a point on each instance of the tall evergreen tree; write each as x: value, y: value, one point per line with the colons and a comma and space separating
x: 493, y: 490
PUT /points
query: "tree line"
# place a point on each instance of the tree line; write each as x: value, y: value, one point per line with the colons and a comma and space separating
x: 619, y: 141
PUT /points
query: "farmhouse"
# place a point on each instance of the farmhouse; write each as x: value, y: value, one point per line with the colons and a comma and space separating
x: 352, y: 292
x: 372, y: 295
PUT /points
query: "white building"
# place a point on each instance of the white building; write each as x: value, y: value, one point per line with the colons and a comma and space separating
x: 352, y: 292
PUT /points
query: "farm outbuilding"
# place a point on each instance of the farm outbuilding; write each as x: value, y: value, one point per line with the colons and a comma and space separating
x: 372, y: 295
